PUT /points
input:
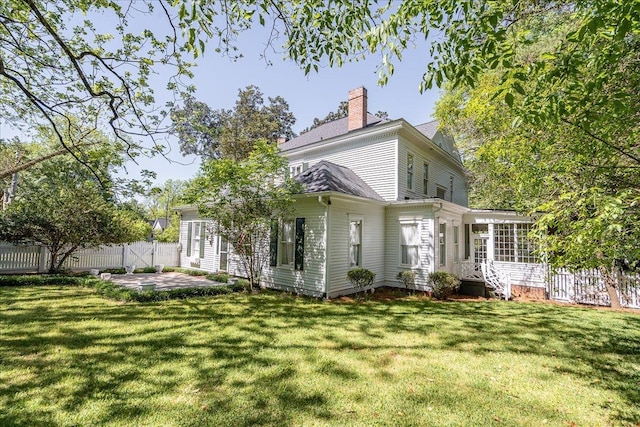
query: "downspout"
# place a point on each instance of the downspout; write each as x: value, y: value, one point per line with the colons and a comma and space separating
x: 325, y: 239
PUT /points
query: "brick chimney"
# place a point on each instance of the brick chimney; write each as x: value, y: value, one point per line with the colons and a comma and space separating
x: 357, y: 108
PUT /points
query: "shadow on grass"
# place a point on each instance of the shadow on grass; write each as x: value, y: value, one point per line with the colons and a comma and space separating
x: 210, y: 357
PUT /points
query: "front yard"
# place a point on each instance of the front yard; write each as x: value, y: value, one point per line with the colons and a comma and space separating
x: 69, y: 357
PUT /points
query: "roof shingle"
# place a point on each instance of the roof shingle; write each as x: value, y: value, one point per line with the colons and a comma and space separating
x: 327, y: 176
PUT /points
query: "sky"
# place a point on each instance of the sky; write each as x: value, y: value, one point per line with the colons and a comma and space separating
x: 217, y: 80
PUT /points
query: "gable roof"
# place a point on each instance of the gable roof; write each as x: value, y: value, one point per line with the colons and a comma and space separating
x: 327, y: 176
x: 428, y: 129
x: 327, y: 131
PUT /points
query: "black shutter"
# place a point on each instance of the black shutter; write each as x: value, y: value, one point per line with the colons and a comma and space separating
x: 299, y: 250
x: 189, y: 225
x: 273, y: 244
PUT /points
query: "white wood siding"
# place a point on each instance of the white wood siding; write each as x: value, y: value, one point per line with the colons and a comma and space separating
x: 440, y: 174
x: 373, y: 160
x: 210, y: 261
x: 310, y: 280
x: 372, y: 243
x: 424, y: 217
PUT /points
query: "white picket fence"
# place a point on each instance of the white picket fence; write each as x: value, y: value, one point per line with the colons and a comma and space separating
x: 35, y: 258
x: 587, y: 287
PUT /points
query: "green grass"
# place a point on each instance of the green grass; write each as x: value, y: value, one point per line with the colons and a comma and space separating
x: 69, y: 357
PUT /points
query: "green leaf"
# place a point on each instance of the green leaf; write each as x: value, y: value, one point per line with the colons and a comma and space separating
x: 508, y: 98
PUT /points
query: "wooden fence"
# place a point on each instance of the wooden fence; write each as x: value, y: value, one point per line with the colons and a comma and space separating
x: 587, y: 287
x: 35, y: 258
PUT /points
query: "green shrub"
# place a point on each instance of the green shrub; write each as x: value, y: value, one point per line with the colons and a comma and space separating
x: 114, y: 271
x: 40, y: 280
x: 443, y: 284
x: 361, y: 278
x: 218, y: 277
x: 407, y: 278
x: 149, y: 270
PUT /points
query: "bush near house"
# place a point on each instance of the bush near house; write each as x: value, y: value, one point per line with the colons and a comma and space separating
x: 407, y: 278
x: 361, y: 278
x: 443, y: 284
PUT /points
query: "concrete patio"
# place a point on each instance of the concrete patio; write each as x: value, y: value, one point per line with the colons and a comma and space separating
x: 162, y: 281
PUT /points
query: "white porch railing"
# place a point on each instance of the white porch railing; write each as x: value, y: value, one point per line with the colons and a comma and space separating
x: 469, y: 270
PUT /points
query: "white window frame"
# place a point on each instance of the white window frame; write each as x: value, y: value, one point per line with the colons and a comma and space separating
x: 442, y: 189
x: 285, y: 246
x: 425, y: 178
x: 456, y: 243
x: 195, y: 239
x: 410, y: 161
x: 414, y: 241
x: 442, y: 243
x: 358, y: 220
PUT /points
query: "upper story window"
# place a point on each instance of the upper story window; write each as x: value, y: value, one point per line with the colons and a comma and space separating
x: 441, y: 192
x: 409, y: 171
x: 298, y: 169
x: 451, y: 188
x: 425, y: 179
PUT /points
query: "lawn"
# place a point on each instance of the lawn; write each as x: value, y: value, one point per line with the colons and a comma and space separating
x: 70, y: 357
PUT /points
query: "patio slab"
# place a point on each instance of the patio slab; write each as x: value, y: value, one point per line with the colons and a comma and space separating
x: 163, y: 281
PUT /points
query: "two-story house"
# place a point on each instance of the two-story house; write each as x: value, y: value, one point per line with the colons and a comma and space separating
x: 380, y: 194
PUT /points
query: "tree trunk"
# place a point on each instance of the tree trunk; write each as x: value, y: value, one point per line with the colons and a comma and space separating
x: 610, y: 283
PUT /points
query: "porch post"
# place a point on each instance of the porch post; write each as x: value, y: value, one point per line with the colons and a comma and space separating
x: 490, y: 243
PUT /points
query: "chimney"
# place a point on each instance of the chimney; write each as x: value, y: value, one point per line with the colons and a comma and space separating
x: 357, y: 108
x: 281, y: 140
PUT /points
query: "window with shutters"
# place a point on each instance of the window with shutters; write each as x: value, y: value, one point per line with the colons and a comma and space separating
x: 287, y: 243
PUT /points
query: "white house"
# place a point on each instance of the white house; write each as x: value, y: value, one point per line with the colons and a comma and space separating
x: 381, y: 194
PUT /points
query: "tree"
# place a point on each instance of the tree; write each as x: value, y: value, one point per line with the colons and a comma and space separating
x: 231, y: 133
x: 66, y: 209
x: 242, y: 198
x: 573, y: 159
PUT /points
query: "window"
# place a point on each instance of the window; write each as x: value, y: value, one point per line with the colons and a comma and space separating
x: 512, y: 244
x: 456, y: 244
x: 409, y: 243
x: 195, y: 239
x: 298, y: 169
x: 409, y: 171
x: 355, y: 243
x: 441, y: 192
x: 451, y: 188
x: 425, y: 179
x: 442, y: 240
x: 286, y: 242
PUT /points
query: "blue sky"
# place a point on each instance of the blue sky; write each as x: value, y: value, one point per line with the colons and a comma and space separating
x: 218, y: 79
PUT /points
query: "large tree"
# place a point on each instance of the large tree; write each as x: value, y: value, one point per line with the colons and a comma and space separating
x: 63, y: 207
x: 565, y: 143
x: 231, y: 133
x: 242, y: 198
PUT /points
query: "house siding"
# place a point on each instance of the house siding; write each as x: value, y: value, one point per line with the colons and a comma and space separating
x: 423, y: 215
x: 310, y: 280
x: 439, y: 174
x: 372, y: 159
x: 372, y: 243
x: 209, y: 261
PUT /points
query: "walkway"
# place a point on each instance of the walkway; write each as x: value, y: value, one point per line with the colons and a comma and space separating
x: 163, y: 281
